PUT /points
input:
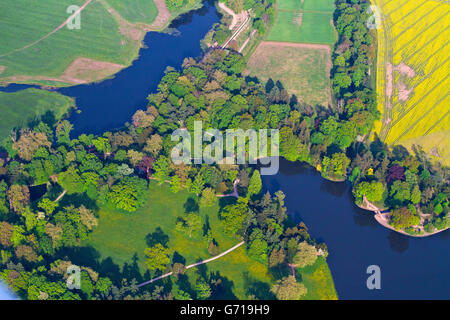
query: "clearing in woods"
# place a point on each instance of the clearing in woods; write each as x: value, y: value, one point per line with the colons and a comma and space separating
x: 413, y: 74
x: 303, y: 69
x: 120, y: 239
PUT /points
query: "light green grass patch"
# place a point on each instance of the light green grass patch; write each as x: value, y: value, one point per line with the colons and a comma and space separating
x: 302, y: 71
x: 319, y: 281
x: 22, y: 23
x: 319, y: 5
x: 18, y: 107
x: 120, y: 236
x: 135, y: 11
x: 317, y: 28
x: 291, y: 5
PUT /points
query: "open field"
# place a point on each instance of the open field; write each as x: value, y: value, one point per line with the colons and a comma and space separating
x: 303, y: 69
x: 19, y: 107
x: 39, y: 48
x: 413, y: 74
x: 135, y: 11
x: 120, y: 236
x: 307, y: 21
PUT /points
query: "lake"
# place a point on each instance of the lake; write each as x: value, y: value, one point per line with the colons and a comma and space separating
x: 411, y: 268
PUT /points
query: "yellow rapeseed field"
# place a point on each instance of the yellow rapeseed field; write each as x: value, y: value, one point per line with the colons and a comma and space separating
x: 413, y: 74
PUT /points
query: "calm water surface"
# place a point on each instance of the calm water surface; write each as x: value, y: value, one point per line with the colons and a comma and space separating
x: 411, y: 268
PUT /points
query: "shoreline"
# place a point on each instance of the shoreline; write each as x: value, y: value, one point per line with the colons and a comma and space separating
x: 382, y: 220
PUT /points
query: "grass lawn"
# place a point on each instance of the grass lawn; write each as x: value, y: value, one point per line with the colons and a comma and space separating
x: 305, y: 22
x: 317, y: 278
x: 135, y: 11
x: 18, y: 108
x: 23, y: 23
x: 303, y: 71
x: 120, y: 236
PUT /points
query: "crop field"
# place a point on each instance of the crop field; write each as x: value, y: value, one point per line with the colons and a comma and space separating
x: 304, y: 21
x: 19, y: 107
x: 413, y: 74
x: 303, y: 69
x: 38, y: 47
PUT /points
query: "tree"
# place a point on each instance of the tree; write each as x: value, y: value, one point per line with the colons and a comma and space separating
x: 129, y: 194
x: 6, y: 234
x: 134, y: 156
x: 258, y: 247
x: 255, y: 185
x: 189, y: 224
x: 403, y: 218
x: 288, y: 289
x: 29, y: 142
x: 233, y: 216
x: 372, y: 190
x: 47, y: 205
x: 306, y: 255
x: 158, y: 257
x: 209, y: 198
x: 71, y: 181
x: 154, y: 145
x: 102, y: 145
x: 19, y: 197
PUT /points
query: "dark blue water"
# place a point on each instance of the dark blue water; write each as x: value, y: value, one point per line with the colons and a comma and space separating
x: 411, y: 268
x: 109, y: 104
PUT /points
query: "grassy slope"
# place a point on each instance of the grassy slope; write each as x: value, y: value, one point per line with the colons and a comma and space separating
x: 135, y: 11
x: 31, y: 102
x: 99, y: 38
x: 315, y: 26
x: 119, y: 236
x: 303, y: 71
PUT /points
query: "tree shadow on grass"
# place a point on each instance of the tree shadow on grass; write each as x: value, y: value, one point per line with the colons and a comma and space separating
x: 225, y: 201
x: 178, y: 258
x: 191, y: 205
x: 132, y: 271
x: 77, y: 200
x: 157, y: 236
x: 258, y: 289
x: 223, y: 290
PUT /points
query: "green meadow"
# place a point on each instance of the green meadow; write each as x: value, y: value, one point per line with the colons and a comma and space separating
x: 304, y: 22
x: 135, y: 11
x: 28, y: 56
x: 19, y: 107
x: 121, y: 239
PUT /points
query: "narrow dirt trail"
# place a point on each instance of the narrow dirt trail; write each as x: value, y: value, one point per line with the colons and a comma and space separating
x: 193, y: 265
x: 51, y: 33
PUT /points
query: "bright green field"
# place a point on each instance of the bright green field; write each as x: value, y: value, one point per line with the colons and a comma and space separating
x: 30, y: 102
x: 308, y: 22
x: 23, y: 22
x: 120, y: 236
x: 135, y: 11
